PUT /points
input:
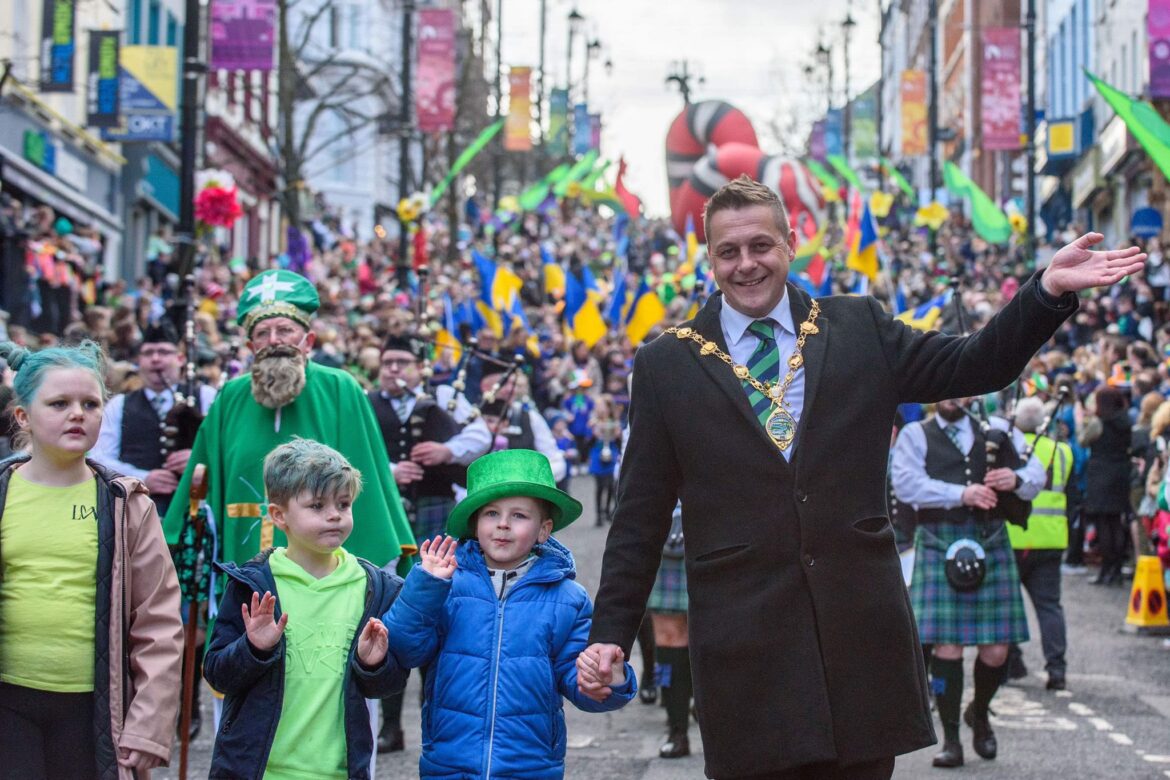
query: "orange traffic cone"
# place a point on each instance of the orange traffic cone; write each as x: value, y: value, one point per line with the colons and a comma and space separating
x: 1147, y: 600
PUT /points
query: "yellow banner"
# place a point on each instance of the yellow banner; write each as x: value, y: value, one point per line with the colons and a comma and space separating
x: 914, y: 130
x: 517, y: 129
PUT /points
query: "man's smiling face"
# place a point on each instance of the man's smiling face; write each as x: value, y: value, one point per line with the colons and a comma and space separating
x: 749, y: 257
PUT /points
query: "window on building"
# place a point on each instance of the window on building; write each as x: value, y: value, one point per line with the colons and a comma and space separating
x: 153, y: 23
x: 172, y: 30
x: 134, y: 23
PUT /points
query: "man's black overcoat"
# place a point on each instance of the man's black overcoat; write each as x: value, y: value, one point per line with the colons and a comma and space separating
x: 803, y: 644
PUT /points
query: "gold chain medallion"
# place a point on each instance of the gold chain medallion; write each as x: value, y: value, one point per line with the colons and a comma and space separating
x: 780, y: 425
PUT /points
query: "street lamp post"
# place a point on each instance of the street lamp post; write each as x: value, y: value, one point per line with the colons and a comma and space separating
x: 591, y: 50
x: 1030, y: 158
x: 681, y: 75
x: 575, y: 20
x: 847, y: 28
x: 541, y: 83
x: 825, y: 55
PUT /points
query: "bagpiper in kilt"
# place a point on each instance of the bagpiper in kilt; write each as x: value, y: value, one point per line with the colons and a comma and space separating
x: 939, y: 467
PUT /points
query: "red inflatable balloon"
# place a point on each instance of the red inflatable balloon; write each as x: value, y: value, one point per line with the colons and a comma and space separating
x: 699, y: 126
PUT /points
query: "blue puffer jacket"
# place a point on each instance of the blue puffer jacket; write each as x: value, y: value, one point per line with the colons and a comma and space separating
x: 498, y: 669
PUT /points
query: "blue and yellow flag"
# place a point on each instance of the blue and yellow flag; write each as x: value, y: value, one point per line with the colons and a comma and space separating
x: 863, y: 255
x: 581, y: 312
x: 927, y: 315
x: 645, y: 312
x: 554, y: 274
x: 498, y: 285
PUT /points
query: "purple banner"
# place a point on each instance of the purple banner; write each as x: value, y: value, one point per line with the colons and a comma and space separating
x: 1000, y: 104
x: 1158, y: 21
x: 435, y: 83
x: 816, y: 141
x: 595, y: 132
x: 242, y: 34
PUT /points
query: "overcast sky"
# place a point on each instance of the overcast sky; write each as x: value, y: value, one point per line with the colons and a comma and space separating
x: 752, y: 53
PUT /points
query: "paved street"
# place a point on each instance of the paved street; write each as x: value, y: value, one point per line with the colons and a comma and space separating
x: 1112, y: 723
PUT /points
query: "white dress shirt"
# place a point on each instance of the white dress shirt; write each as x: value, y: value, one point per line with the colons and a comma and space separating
x: 467, y: 445
x: 108, y: 448
x: 908, y: 466
x: 741, y: 343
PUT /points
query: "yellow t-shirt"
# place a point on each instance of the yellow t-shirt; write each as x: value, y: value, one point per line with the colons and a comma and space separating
x: 48, y: 571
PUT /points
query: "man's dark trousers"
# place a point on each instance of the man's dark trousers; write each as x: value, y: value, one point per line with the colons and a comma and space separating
x: 1040, y: 576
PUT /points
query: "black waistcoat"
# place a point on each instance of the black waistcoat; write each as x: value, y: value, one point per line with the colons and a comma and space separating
x: 427, y: 422
x: 945, y: 463
x: 142, y: 433
x: 518, y: 430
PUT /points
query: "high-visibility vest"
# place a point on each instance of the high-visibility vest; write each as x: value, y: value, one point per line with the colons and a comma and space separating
x: 1048, y: 523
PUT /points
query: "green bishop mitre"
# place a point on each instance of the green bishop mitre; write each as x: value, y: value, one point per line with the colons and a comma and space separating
x: 277, y: 294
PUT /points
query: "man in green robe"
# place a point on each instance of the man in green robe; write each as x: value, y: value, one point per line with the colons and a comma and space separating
x: 287, y: 395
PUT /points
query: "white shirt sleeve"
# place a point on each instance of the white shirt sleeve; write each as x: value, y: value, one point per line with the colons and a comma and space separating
x: 109, y: 443
x: 474, y: 440
x: 1032, y: 474
x: 908, y: 473
x: 206, y: 398
x: 546, y: 444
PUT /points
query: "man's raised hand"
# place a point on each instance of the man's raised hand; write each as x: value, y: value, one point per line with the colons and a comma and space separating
x: 263, y: 631
x: 438, y: 556
x: 1078, y: 266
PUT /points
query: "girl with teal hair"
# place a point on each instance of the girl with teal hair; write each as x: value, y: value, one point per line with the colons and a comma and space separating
x: 90, y: 636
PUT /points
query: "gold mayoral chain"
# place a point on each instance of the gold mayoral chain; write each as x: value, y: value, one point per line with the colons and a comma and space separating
x: 780, y: 425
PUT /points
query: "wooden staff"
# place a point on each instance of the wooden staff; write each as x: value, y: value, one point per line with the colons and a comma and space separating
x: 195, y: 605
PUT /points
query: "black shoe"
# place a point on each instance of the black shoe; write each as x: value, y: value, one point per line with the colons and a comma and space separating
x: 1055, y: 681
x: 391, y: 741
x: 984, y: 739
x: 951, y: 755
x: 648, y: 694
x: 677, y: 745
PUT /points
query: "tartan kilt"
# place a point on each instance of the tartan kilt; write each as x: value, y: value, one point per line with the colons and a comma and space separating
x: 993, y: 614
x: 429, y: 517
x: 670, y: 587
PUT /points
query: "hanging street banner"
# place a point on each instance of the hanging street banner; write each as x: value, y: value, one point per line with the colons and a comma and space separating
x: 243, y: 34
x: 1000, y: 103
x: 148, y: 80
x: 435, y: 83
x: 1158, y: 33
x: 582, y: 129
x: 864, y: 140
x: 58, y: 45
x: 913, y: 93
x: 595, y: 132
x: 834, y: 131
x: 518, y: 128
x: 101, y: 92
x: 816, y: 140
x: 558, y: 122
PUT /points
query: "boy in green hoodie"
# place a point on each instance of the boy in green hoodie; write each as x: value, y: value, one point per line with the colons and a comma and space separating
x: 296, y: 663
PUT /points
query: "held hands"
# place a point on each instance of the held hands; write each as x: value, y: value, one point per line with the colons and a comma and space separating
x: 136, y: 759
x: 438, y: 556
x: 598, y: 667
x: 263, y: 631
x: 979, y: 497
x: 372, y: 644
x: 1078, y: 267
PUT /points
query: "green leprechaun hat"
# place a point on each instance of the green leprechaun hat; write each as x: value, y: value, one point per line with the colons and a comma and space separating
x: 511, y: 473
x: 277, y: 294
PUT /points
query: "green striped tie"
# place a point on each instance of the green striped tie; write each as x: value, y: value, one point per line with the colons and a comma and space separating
x: 763, y: 366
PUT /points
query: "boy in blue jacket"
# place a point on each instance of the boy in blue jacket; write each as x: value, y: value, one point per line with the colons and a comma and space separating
x: 499, y: 621
x: 296, y: 670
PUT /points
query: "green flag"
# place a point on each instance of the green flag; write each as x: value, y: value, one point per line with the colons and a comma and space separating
x: 535, y: 195
x: 822, y: 174
x: 987, y: 218
x: 589, y: 181
x: 898, y: 178
x: 841, y: 165
x: 576, y: 173
x: 1150, y: 130
x: 468, y: 154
